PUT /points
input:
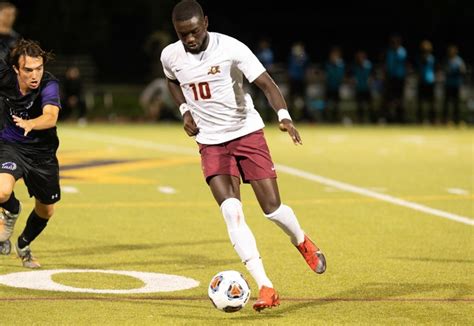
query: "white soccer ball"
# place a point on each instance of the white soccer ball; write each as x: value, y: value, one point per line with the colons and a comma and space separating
x: 229, y: 291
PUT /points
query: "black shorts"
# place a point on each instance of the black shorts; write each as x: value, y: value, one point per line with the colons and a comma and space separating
x: 40, y: 171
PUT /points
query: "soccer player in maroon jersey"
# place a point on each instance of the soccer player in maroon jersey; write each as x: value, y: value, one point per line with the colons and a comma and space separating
x: 205, y: 76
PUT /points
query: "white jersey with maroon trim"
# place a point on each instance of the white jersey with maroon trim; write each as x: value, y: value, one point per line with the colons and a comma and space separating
x: 212, y: 83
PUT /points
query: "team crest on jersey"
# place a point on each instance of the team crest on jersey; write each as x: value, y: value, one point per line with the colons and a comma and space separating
x: 214, y: 70
x: 9, y: 166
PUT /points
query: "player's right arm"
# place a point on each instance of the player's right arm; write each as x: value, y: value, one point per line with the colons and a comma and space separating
x: 177, y: 94
x: 175, y: 89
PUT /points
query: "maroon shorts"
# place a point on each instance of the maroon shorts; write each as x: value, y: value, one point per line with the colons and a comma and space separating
x: 247, y: 156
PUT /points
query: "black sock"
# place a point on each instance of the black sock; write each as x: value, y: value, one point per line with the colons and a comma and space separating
x: 12, y: 204
x: 33, y: 228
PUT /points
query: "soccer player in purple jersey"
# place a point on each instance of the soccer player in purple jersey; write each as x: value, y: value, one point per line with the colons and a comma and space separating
x: 29, y: 108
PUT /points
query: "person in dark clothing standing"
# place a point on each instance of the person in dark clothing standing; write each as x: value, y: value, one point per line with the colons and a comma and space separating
x: 455, y: 70
x: 8, y: 37
x: 73, y: 98
x: 362, y: 72
x: 335, y: 73
x: 395, y: 75
x: 29, y: 108
x: 298, y: 65
x: 426, y: 81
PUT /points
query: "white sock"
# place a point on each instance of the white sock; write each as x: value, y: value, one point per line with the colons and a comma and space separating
x: 286, y: 219
x: 243, y: 240
x: 255, y: 268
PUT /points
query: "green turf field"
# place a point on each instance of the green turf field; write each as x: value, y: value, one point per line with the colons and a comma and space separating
x: 392, y: 208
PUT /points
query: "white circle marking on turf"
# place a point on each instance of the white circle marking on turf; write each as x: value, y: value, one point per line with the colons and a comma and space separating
x: 154, y: 282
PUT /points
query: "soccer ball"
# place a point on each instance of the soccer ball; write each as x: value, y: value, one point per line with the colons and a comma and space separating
x: 229, y: 291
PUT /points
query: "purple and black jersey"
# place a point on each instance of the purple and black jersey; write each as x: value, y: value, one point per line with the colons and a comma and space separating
x: 28, y: 106
x: 31, y: 157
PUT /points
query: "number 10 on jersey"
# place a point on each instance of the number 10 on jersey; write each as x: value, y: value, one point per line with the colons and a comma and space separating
x: 201, y: 91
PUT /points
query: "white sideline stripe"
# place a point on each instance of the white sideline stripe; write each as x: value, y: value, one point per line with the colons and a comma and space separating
x: 373, y: 194
x: 118, y: 140
x: 282, y: 168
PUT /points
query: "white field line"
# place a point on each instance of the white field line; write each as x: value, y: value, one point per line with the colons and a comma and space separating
x: 118, y: 140
x: 373, y: 194
x: 125, y: 141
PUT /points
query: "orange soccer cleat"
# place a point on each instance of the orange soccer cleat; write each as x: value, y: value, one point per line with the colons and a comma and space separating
x: 267, y: 298
x: 313, y: 256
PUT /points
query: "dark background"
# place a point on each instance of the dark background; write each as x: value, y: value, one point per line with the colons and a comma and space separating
x: 113, y: 33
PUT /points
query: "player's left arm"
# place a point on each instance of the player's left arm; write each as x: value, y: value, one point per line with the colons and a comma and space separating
x: 45, y: 121
x: 273, y: 94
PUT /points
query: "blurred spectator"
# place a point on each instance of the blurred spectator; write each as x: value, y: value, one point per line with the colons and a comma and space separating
x: 298, y: 64
x: 395, y: 75
x: 156, y: 101
x: 73, y: 96
x: 426, y: 81
x: 8, y: 37
x: 265, y: 54
x: 362, y: 72
x: 455, y: 70
x: 153, y: 46
x: 335, y: 72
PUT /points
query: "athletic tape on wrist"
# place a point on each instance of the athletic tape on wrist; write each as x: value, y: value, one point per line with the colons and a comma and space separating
x: 283, y: 114
x: 183, y: 108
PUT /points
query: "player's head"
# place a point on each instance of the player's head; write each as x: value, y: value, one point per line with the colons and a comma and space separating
x: 191, y: 25
x: 28, y: 60
x: 7, y: 14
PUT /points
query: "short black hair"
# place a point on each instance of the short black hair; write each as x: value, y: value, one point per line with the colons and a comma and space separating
x: 187, y: 9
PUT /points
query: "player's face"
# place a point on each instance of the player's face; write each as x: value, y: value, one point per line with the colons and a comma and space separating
x: 193, y: 33
x: 29, y: 72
